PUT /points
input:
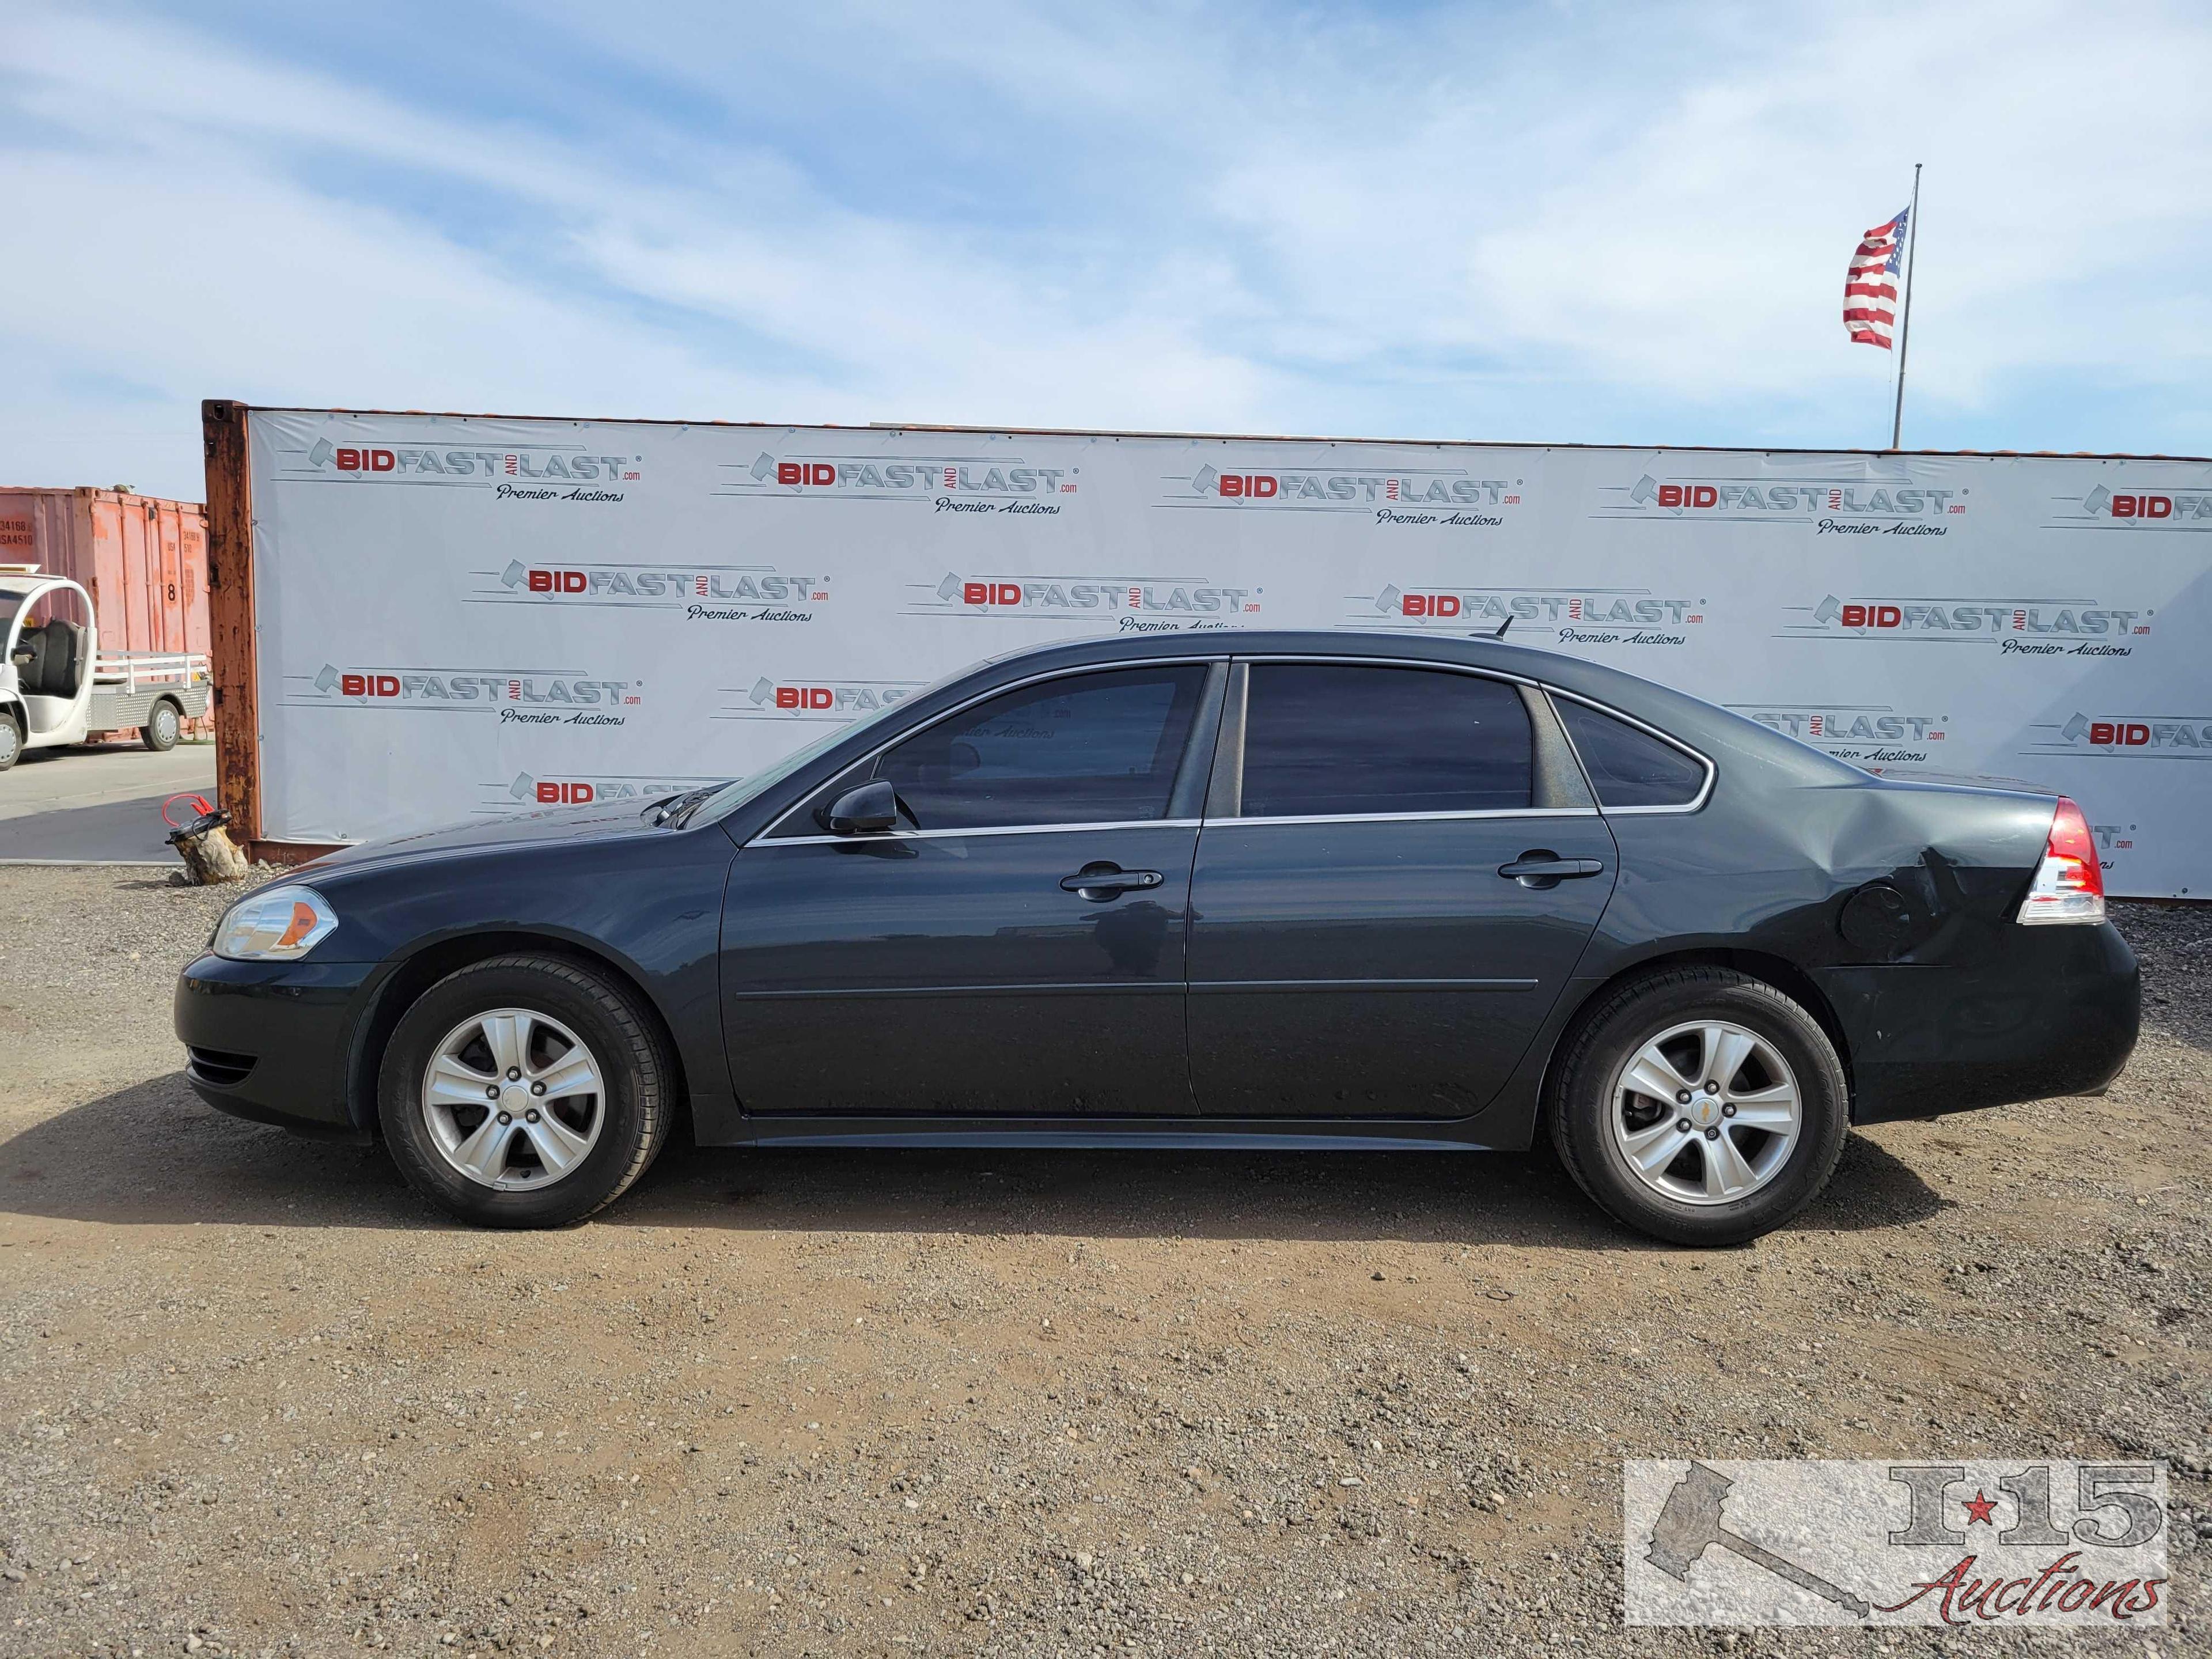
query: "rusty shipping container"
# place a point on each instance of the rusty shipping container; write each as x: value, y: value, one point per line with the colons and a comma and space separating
x: 142, y: 559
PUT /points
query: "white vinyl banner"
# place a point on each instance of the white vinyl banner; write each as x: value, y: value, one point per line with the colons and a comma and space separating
x: 467, y: 616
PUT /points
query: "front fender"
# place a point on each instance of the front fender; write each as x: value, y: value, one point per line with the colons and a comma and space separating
x: 648, y: 908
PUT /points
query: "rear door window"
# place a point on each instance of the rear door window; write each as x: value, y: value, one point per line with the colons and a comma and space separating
x: 1085, y: 749
x: 1347, y: 739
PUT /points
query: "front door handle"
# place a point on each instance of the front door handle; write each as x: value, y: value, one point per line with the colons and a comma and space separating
x: 1542, y: 867
x: 1105, y: 881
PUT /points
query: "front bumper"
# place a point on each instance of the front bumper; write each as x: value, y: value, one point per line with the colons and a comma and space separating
x: 2055, y: 1011
x: 269, y: 1040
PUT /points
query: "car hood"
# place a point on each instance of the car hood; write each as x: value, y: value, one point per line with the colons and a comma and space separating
x: 560, y: 823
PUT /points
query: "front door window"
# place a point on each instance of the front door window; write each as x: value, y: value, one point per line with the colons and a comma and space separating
x: 1087, y: 749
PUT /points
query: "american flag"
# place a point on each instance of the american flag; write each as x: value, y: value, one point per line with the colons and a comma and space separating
x: 1870, y: 284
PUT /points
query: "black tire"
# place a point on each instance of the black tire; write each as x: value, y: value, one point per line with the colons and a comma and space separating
x: 165, y: 724
x: 1581, y: 1101
x: 11, y: 741
x: 636, y: 1105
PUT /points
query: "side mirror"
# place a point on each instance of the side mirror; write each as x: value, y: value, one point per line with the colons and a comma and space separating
x: 871, y: 807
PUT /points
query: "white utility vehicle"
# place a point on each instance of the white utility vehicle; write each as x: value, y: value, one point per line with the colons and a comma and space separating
x: 57, y: 686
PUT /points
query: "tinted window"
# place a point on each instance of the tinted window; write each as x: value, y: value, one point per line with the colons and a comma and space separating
x: 1627, y: 767
x: 1088, y: 749
x: 1329, y: 739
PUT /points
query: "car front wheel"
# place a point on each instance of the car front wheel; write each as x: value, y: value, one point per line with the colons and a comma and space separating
x: 1700, y: 1105
x: 525, y: 1091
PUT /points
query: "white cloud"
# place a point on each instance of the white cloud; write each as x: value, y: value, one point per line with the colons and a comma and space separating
x: 1555, y: 224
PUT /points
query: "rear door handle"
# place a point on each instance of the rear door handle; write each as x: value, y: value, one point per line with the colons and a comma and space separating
x: 1544, y: 868
x: 1102, y: 881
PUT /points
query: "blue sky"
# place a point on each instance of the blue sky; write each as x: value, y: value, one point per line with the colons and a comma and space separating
x: 1563, y: 222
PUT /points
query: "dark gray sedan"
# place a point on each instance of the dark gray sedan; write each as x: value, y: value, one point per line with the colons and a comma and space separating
x: 1215, y: 890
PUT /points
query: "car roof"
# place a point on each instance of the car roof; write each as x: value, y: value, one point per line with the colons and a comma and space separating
x: 1467, y: 651
x: 1486, y: 649
x: 17, y: 583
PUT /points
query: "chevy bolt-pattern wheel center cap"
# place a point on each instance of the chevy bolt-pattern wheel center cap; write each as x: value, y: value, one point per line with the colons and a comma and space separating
x: 1706, y: 1112
x: 513, y: 1099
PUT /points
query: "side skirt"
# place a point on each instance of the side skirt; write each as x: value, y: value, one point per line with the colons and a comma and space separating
x: 1217, y: 1134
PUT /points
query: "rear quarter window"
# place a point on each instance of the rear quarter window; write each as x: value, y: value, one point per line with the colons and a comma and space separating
x: 1627, y: 766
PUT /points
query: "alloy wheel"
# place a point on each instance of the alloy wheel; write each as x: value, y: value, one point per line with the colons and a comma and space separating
x: 513, y: 1099
x: 1705, y: 1112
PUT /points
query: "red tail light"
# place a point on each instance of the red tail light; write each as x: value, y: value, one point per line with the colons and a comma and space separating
x: 2070, y: 882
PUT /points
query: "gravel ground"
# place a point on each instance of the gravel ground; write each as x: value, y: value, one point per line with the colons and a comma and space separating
x: 260, y: 1400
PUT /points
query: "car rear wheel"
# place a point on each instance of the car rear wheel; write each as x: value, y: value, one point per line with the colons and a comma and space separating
x: 163, y: 726
x: 11, y: 742
x: 1700, y: 1105
x: 525, y: 1091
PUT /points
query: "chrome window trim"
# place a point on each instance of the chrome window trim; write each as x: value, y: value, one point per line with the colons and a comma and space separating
x: 953, y: 835
x: 767, y: 837
x: 878, y: 753
x: 1414, y: 818
x: 1696, y: 804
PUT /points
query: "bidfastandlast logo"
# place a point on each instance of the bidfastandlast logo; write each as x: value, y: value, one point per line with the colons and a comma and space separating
x: 1588, y: 615
x: 1872, y: 734
x: 994, y: 483
x: 535, y: 697
x: 2129, y: 508
x: 701, y: 593
x: 525, y: 472
x: 530, y: 792
x: 1138, y: 605
x: 823, y: 699
x: 1832, y: 506
x: 2018, y: 628
x: 1413, y: 497
x: 2150, y: 736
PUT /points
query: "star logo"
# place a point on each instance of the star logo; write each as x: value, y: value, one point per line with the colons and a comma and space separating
x: 1978, y: 1507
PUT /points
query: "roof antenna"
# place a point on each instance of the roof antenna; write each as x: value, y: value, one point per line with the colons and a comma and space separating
x: 1502, y: 627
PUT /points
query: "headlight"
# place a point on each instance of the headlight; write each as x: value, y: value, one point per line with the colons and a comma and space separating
x: 277, y: 924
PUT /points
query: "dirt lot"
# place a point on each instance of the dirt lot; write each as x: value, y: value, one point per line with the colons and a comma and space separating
x: 260, y: 1401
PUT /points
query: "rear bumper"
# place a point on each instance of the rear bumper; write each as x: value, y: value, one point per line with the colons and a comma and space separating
x: 2054, y: 1012
x: 269, y: 1041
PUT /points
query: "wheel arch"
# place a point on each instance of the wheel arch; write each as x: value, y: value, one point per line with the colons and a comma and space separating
x: 1784, y: 975
x: 417, y: 972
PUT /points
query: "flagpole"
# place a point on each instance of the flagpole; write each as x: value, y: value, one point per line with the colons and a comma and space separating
x: 1904, y: 330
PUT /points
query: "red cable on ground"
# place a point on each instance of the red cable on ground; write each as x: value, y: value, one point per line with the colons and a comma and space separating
x: 201, y: 808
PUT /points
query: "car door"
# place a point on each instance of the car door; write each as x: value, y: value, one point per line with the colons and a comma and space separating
x: 1015, y: 946
x: 1398, y: 869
